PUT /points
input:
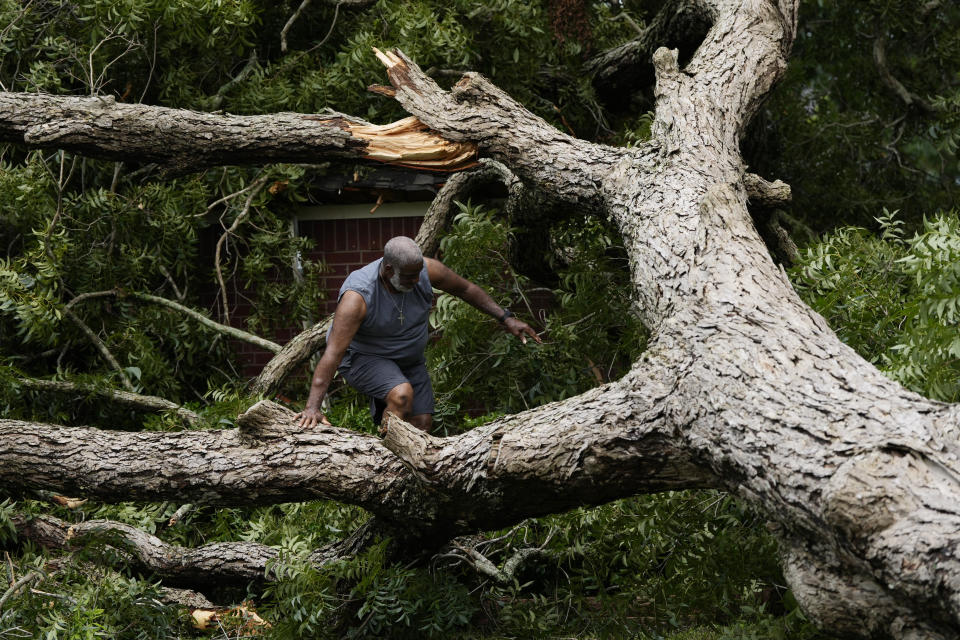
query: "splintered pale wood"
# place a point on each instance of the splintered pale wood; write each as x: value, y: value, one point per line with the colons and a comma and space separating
x: 412, y: 143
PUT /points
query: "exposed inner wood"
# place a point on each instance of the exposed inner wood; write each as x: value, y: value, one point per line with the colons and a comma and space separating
x: 409, y: 142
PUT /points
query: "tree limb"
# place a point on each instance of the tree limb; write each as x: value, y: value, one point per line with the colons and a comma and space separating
x: 209, y: 564
x: 909, y: 98
x: 136, y: 400
x: 182, y: 140
x: 292, y: 355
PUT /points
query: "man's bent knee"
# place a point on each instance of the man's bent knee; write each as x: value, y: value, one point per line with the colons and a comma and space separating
x: 400, y: 399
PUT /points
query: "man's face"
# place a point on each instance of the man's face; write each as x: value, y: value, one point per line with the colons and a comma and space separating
x: 405, y: 278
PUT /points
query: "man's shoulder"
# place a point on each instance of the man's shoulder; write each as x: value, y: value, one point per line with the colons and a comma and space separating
x: 366, y: 273
x: 363, y: 279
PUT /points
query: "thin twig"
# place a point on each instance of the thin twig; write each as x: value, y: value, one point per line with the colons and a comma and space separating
x: 293, y: 18
x: 18, y: 585
x: 101, y: 347
x: 233, y: 332
x: 336, y: 13
x: 83, y: 297
x: 240, y: 77
x: 259, y: 182
x: 10, y: 25
x: 181, y: 296
x: 153, y: 62
x: 225, y: 199
x: 116, y: 176
x: 59, y: 211
x: 10, y: 574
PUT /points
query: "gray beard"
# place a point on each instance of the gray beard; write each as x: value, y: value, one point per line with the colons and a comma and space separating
x: 395, y: 283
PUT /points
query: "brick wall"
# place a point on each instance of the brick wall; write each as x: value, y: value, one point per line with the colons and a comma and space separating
x: 347, y: 245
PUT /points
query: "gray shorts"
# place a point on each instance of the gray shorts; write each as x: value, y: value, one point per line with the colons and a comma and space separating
x: 376, y: 377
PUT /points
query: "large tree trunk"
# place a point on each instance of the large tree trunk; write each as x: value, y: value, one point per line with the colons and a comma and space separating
x: 743, y: 386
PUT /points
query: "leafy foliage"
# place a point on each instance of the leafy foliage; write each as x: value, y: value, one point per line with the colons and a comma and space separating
x: 842, y: 136
x: 895, y: 299
x: 589, y: 333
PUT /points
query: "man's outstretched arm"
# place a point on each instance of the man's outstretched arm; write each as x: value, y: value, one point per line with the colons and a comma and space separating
x: 350, y: 312
x: 443, y: 278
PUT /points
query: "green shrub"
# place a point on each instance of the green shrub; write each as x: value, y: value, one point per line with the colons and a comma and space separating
x: 589, y: 332
x: 894, y: 299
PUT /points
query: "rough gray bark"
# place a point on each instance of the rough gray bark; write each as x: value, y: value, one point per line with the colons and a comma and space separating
x: 205, y: 565
x: 183, y: 140
x: 743, y: 386
x: 620, y: 71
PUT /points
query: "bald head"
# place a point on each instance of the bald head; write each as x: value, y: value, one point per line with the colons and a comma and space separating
x: 401, y: 253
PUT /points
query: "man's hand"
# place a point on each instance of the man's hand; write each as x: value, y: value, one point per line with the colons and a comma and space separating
x: 520, y: 329
x: 446, y: 280
x: 310, y: 418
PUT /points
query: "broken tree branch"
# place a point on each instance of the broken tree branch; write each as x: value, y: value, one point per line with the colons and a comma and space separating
x: 208, y: 564
x: 908, y: 97
x: 101, y: 347
x: 476, y: 110
x: 136, y: 400
x: 181, y: 140
x: 766, y: 194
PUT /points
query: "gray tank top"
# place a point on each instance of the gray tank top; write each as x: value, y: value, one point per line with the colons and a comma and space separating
x: 382, y: 333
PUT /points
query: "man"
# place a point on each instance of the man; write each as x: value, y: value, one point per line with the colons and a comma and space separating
x: 379, y: 333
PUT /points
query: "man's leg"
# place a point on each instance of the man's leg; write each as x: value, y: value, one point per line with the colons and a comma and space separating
x: 406, y: 393
x: 421, y: 411
x: 400, y: 400
x: 423, y: 421
x: 382, y: 381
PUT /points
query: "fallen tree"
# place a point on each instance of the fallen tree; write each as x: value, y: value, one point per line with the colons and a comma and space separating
x: 742, y: 387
